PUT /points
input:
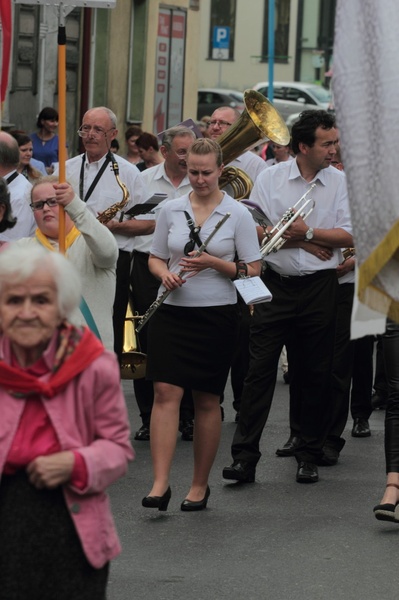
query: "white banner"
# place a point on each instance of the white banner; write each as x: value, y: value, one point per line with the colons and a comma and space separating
x: 366, y: 91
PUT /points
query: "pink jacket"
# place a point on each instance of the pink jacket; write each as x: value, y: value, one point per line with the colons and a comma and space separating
x: 89, y: 416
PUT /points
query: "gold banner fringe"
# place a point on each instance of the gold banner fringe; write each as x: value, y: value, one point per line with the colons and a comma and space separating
x: 368, y: 293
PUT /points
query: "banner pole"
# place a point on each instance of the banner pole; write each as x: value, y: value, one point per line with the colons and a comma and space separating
x: 62, y: 120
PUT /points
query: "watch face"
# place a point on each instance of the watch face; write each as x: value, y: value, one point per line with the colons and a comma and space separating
x: 309, y: 234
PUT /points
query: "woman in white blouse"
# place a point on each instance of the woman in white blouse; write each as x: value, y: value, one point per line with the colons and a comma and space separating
x: 192, y: 335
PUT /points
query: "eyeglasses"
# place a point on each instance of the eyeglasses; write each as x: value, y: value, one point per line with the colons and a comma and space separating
x: 40, y: 204
x: 85, y: 130
x: 189, y: 247
x: 219, y: 122
x: 181, y: 153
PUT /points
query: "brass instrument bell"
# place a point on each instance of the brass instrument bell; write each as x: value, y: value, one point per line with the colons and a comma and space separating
x: 259, y: 122
x: 134, y: 362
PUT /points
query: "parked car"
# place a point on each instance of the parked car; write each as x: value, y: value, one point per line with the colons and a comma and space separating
x: 209, y: 99
x: 292, y: 97
x: 290, y: 120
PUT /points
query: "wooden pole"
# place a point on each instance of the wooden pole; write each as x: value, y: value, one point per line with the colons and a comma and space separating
x: 62, y: 122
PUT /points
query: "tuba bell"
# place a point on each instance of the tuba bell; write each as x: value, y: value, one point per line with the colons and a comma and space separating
x: 259, y: 122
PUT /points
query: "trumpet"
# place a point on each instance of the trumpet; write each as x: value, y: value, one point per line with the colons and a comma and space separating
x: 274, y: 240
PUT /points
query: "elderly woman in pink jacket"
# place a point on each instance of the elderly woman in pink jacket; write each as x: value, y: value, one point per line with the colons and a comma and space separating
x: 64, y: 435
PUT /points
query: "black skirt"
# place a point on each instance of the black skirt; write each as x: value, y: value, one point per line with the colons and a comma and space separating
x: 192, y: 347
x: 41, y: 557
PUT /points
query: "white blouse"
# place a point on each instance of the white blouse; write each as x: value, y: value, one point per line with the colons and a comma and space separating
x: 236, y: 236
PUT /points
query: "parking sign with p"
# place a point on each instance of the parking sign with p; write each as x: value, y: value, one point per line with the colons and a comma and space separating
x: 221, y: 43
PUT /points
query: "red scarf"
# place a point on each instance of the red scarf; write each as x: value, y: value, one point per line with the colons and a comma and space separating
x: 77, y: 351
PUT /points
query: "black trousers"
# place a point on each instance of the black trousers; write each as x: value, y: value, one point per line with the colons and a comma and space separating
x: 121, y: 300
x: 380, y: 381
x: 240, y: 361
x: 390, y: 342
x: 143, y: 291
x: 352, y: 373
x: 301, y: 314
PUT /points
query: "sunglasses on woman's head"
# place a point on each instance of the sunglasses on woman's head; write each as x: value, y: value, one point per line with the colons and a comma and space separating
x: 189, y: 247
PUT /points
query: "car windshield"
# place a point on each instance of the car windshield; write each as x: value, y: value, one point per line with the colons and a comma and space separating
x: 321, y: 94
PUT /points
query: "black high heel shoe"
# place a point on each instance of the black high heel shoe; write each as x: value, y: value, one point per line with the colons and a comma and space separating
x: 387, y: 512
x: 159, y: 502
x: 190, y: 505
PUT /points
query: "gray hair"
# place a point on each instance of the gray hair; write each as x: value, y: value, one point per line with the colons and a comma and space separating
x: 111, y: 115
x: 19, y: 263
x: 179, y: 131
x: 9, y: 151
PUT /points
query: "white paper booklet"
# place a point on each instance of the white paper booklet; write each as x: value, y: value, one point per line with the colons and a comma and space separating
x: 252, y: 290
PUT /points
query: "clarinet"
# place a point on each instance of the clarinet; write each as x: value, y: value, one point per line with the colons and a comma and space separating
x: 157, y: 303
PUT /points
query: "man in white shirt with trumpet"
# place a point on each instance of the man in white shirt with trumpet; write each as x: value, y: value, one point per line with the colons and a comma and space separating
x: 302, y: 279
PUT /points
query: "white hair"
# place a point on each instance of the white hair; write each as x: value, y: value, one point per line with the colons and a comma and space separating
x: 19, y: 263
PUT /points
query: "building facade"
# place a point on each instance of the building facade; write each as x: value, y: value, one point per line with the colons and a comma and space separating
x: 303, y: 34
x: 140, y: 59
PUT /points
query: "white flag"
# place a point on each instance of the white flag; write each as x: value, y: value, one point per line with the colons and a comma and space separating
x: 366, y: 94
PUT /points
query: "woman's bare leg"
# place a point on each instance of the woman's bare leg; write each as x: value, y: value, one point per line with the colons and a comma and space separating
x: 163, y: 433
x: 391, y: 494
x: 207, y: 430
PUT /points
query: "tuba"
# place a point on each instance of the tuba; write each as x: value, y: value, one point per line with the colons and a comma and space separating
x: 259, y: 122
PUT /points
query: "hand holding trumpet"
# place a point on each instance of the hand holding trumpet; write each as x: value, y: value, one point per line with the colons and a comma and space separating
x: 279, y: 234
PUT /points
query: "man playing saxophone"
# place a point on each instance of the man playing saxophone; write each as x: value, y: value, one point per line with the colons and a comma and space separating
x: 302, y: 278
x: 94, y: 181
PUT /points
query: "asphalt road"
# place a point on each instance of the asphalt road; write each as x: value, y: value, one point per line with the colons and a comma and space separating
x: 274, y: 539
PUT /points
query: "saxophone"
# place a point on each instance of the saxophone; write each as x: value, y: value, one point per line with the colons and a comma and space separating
x: 110, y: 212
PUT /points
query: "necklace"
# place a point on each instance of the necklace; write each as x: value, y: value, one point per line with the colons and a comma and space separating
x: 198, y: 224
x: 44, y: 141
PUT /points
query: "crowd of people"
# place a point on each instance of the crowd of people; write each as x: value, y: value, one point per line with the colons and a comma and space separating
x: 154, y: 223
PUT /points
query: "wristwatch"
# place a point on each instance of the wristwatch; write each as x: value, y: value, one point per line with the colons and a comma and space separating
x: 309, y: 234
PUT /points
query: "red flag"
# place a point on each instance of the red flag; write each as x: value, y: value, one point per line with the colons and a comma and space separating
x: 6, y: 24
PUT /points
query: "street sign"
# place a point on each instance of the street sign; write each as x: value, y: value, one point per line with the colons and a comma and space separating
x: 71, y: 3
x: 221, y: 43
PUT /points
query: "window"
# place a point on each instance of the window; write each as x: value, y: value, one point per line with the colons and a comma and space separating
x: 223, y: 14
x: 281, y: 31
x: 294, y: 94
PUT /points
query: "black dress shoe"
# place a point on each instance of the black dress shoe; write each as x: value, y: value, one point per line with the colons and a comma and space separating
x: 307, y: 473
x: 361, y: 428
x: 289, y: 447
x: 143, y: 434
x: 240, y: 471
x: 191, y: 506
x: 159, y: 502
x: 187, y: 430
